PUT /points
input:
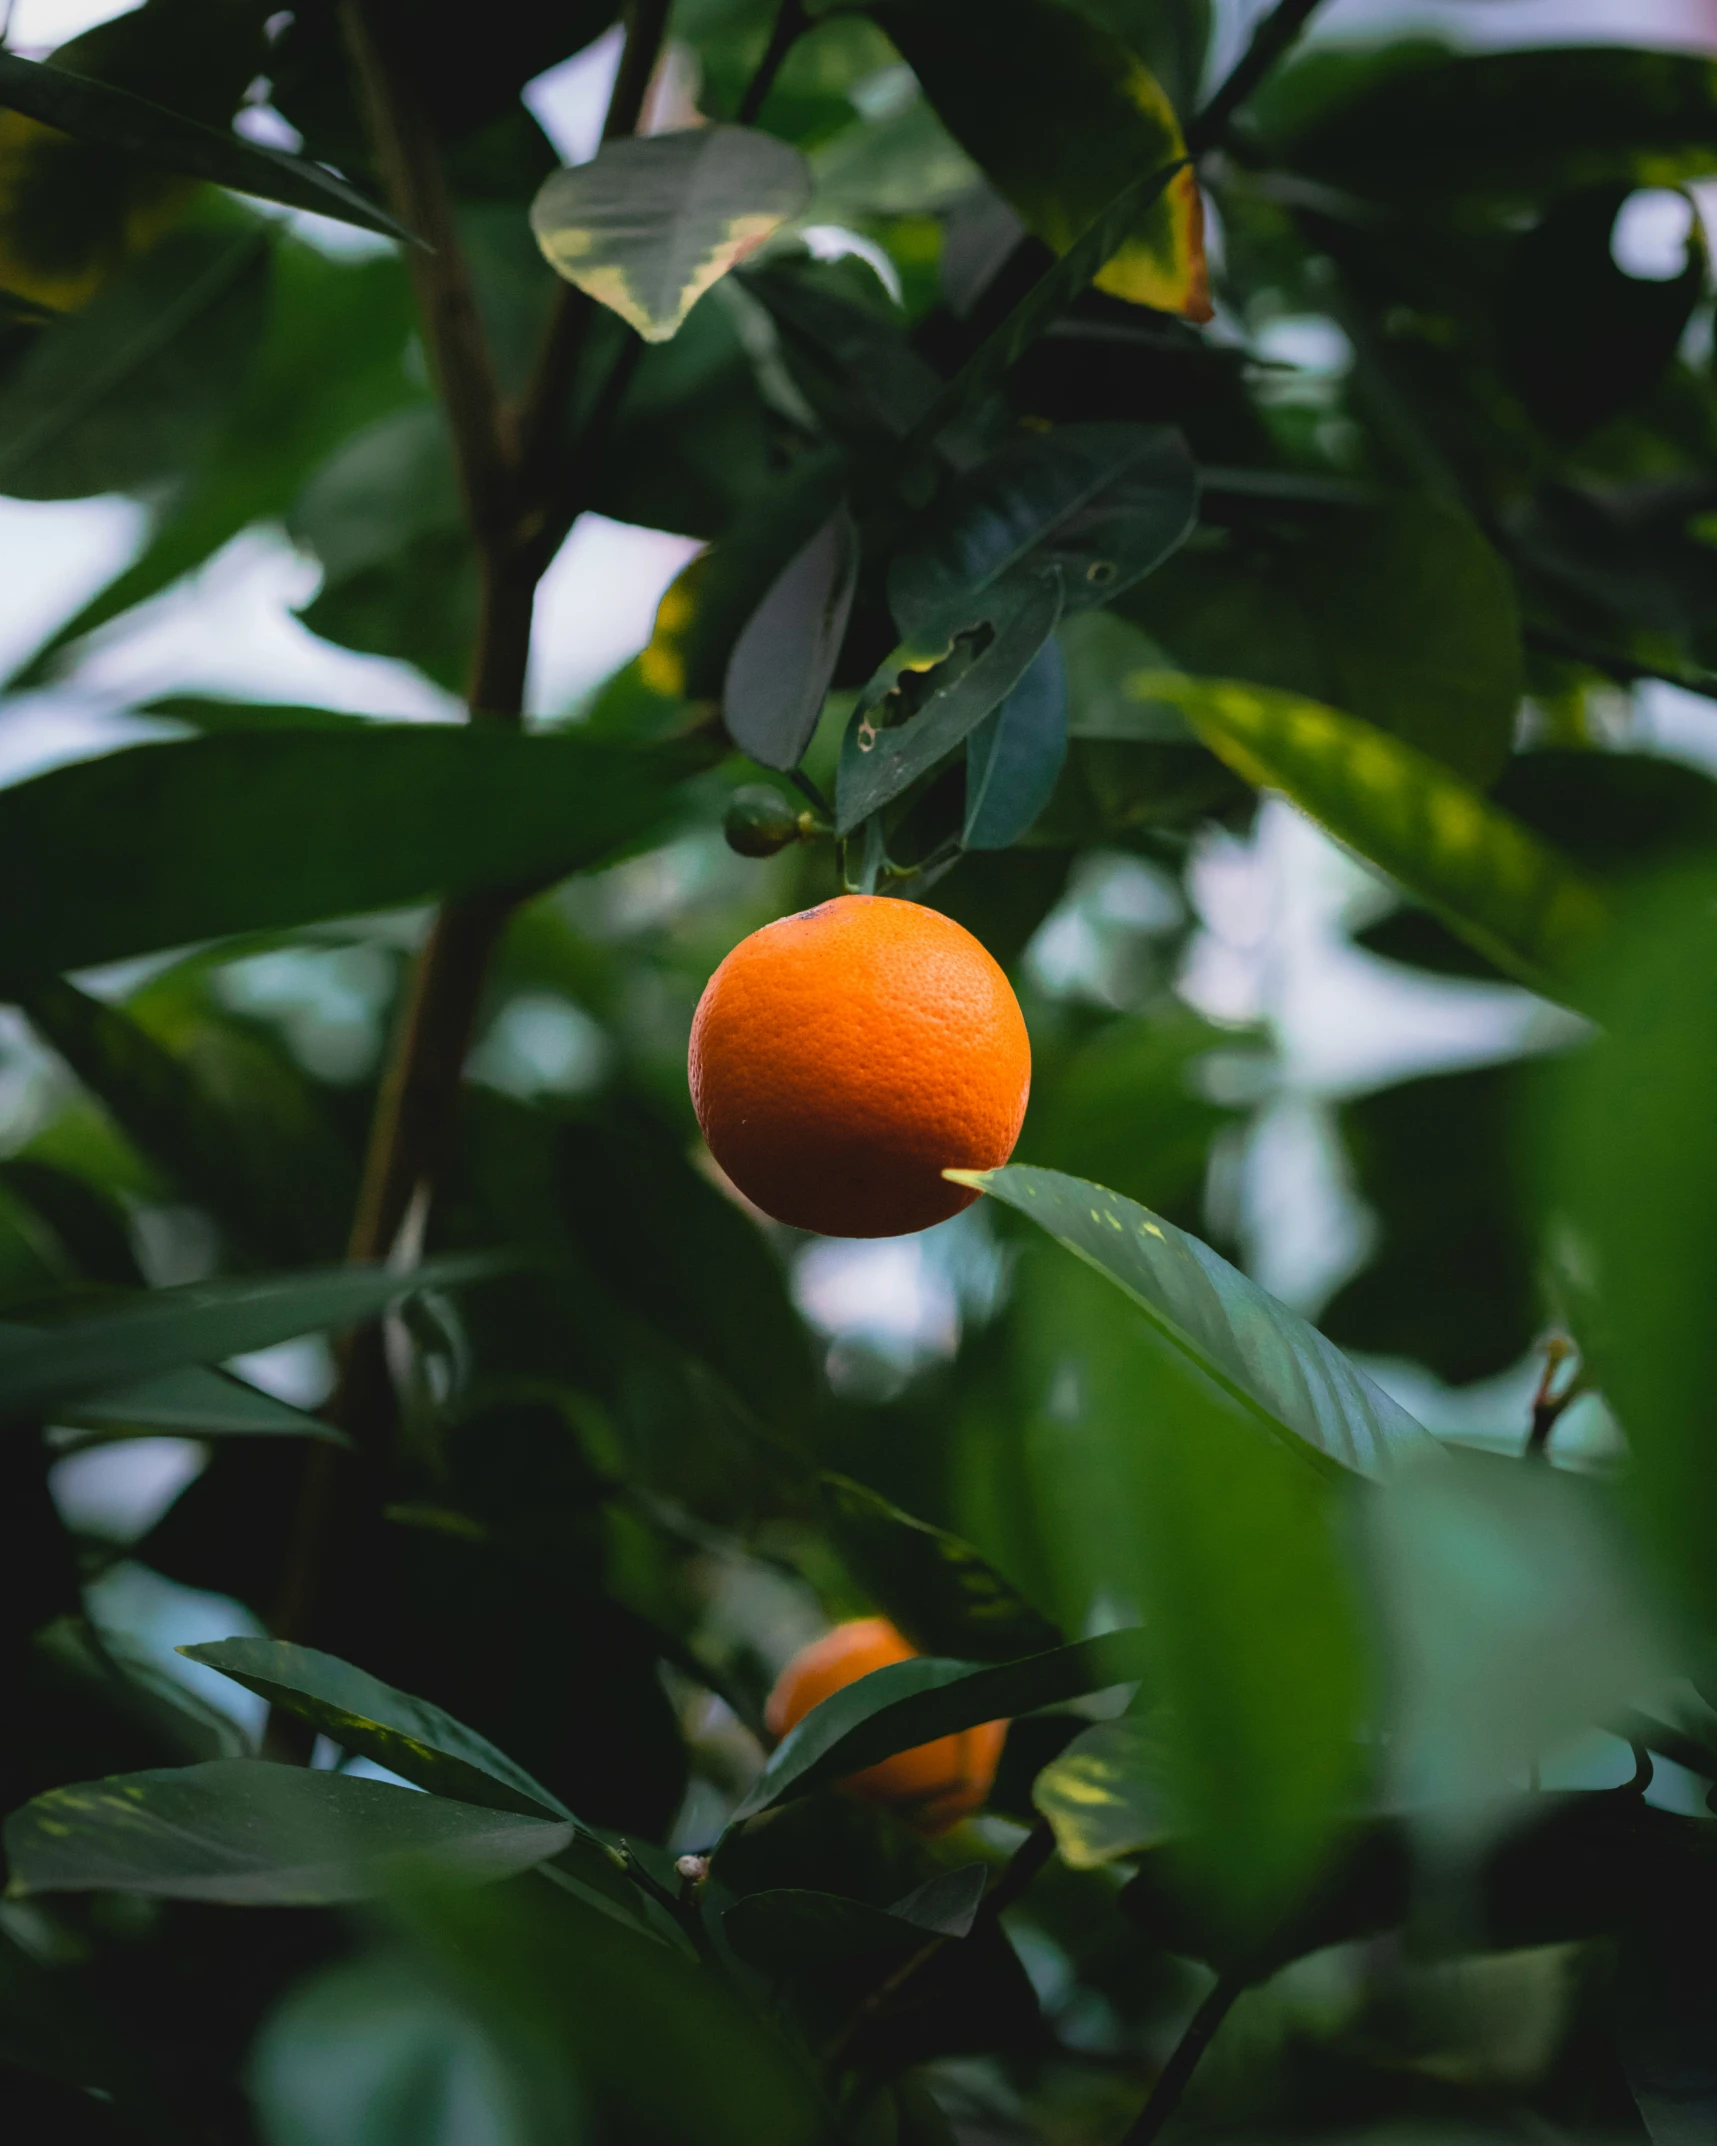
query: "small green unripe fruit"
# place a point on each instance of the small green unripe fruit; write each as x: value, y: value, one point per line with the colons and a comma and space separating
x: 759, y: 821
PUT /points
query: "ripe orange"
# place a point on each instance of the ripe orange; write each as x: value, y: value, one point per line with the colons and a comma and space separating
x: 842, y: 1058
x: 932, y: 1786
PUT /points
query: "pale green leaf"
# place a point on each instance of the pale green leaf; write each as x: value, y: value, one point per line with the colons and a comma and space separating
x: 649, y: 224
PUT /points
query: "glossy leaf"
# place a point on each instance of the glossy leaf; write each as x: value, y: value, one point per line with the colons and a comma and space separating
x: 936, y: 1589
x: 1105, y: 1794
x: 123, y: 392
x: 408, y: 1736
x: 1490, y: 879
x: 1061, y: 117
x: 648, y: 225
x: 254, y: 1834
x: 781, y: 665
x: 1014, y: 756
x: 1279, y: 1368
x: 167, y: 844
x: 937, y: 687
x: 199, y: 1323
x: 913, y: 1702
x: 113, y: 118
x: 1104, y: 503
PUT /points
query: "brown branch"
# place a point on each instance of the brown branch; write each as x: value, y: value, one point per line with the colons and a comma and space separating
x: 1547, y: 1403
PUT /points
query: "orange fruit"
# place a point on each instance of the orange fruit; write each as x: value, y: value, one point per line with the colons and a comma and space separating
x: 933, y: 1785
x: 841, y: 1059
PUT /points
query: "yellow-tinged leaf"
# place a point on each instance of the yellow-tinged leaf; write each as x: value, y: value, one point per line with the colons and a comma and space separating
x: 1061, y: 116
x: 69, y: 217
x: 650, y: 224
x: 1508, y: 893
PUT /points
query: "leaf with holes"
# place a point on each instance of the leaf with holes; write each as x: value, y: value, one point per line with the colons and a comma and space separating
x: 649, y: 224
x: 1105, y: 503
x: 938, y: 686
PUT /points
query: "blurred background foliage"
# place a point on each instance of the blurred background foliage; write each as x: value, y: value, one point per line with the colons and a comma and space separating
x: 1324, y: 1685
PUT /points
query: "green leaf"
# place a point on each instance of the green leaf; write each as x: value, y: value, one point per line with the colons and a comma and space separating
x: 1105, y: 1795
x: 1452, y: 1282
x: 254, y: 1834
x: 658, y: 2048
x: 1632, y: 1163
x: 196, y: 1402
x: 233, y: 1123
x: 91, y: 1226
x: 1582, y: 339
x: 168, y: 844
x: 938, y: 686
x: 1061, y: 117
x: 914, y: 1702
x: 291, y: 412
x: 791, y: 1930
x: 782, y: 662
x: 381, y: 2050
x: 1267, y: 1358
x: 123, y: 392
x: 200, y: 1323
x: 408, y: 1736
x: 1517, y: 1621
x: 1490, y: 879
x: 1105, y: 503
x: 649, y: 224
x: 939, y: 1591
x: 1165, y: 1491
x: 1421, y: 626
x: 115, y: 119
x: 1014, y: 756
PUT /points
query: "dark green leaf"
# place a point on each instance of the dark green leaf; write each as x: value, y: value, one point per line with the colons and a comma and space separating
x: 254, y: 1834
x: 914, y: 1702
x: 91, y: 1227
x: 1105, y: 503
x: 408, y: 1736
x: 938, y: 686
x: 936, y: 1589
x: 1452, y: 1280
x: 793, y: 1931
x: 168, y: 844
x: 779, y: 671
x: 123, y: 392
x: 199, y: 1323
x: 197, y: 1403
x: 1281, y: 1370
x: 48, y: 2024
x: 1582, y: 339
x: 115, y: 119
x: 1014, y: 756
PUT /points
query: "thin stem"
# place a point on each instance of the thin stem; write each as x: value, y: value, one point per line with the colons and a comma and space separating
x: 1547, y: 1403
x: 453, y: 335
x: 1164, y: 2098
x: 791, y: 23
x: 1270, y: 40
x: 539, y: 413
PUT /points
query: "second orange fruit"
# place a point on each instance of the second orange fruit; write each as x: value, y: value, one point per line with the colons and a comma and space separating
x: 932, y: 1786
x: 841, y: 1059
